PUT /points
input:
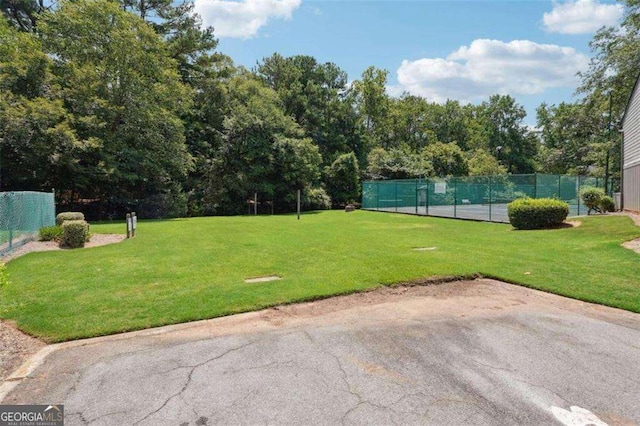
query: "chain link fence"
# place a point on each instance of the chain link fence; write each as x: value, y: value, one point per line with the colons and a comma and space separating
x: 22, y: 214
x: 473, y: 197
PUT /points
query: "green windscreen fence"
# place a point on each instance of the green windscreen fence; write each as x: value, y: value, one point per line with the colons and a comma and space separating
x: 22, y: 214
x: 473, y: 197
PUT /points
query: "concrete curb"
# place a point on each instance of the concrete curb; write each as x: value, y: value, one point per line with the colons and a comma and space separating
x: 25, y: 370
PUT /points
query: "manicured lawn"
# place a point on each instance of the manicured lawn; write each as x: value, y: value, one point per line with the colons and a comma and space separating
x: 189, y: 269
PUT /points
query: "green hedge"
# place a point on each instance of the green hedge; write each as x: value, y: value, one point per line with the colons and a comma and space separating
x: 74, y: 233
x: 62, y: 217
x: 528, y: 213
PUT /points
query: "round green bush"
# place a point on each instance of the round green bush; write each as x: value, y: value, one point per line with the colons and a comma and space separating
x: 592, y: 198
x: 74, y: 233
x: 607, y: 204
x: 528, y: 213
x: 62, y: 217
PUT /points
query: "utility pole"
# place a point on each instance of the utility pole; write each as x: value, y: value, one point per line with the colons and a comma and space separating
x: 609, y: 141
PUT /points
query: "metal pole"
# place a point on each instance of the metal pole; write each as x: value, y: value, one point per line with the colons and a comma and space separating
x: 396, y: 197
x: 10, y: 221
x: 377, y: 195
x: 417, y: 198
x: 298, y: 204
x: 455, y: 198
x: 490, y: 198
x: 578, y: 194
x: 255, y: 203
x: 606, y: 164
x: 426, y: 196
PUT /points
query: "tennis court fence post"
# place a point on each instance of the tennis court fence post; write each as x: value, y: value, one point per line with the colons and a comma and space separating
x: 578, y: 195
x: 455, y: 198
x: 417, y: 198
x: 396, y: 198
x: 490, y: 195
x: 426, y: 196
x: 10, y: 221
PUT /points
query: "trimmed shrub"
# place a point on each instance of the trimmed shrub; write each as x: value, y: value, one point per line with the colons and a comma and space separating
x: 592, y: 198
x: 528, y: 213
x: 62, y: 217
x: 74, y: 233
x: 50, y: 233
x: 607, y: 204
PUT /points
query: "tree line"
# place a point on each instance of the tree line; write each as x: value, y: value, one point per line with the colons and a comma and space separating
x: 127, y: 105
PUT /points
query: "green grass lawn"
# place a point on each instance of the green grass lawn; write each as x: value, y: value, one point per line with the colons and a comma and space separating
x: 188, y: 269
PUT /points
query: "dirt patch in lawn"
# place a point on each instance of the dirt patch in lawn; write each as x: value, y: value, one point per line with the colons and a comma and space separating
x: 15, y: 348
x: 632, y: 245
x: 96, y: 240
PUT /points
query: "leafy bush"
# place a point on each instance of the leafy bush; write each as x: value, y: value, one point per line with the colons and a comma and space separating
x: 316, y: 199
x: 343, y: 181
x: 62, y: 217
x: 50, y: 233
x: 527, y: 213
x: 74, y: 233
x: 607, y: 204
x: 592, y: 198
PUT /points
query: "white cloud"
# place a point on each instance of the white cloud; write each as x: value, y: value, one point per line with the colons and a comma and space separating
x: 243, y: 19
x: 581, y: 16
x: 486, y: 67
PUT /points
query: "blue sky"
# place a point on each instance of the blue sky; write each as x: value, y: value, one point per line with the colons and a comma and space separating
x: 463, y: 50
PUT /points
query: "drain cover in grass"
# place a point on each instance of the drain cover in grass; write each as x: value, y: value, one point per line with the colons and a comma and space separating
x: 262, y: 279
x: 424, y: 248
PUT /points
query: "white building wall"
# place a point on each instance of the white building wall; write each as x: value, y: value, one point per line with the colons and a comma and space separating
x: 631, y: 153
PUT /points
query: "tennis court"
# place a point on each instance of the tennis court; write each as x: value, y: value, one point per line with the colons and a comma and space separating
x: 473, y: 197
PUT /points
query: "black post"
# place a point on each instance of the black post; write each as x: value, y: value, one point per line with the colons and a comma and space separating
x: 606, y: 164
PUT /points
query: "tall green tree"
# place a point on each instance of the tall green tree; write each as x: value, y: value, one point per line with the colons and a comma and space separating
x: 372, y: 104
x: 343, y: 180
x: 263, y: 150
x: 23, y: 14
x: 39, y: 148
x: 508, y: 139
x: 569, y: 134
x: 122, y: 87
x: 447, y: 159
x: 317, y: 97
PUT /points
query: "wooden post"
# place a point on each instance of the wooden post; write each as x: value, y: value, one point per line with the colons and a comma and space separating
x: 298, y: 204
x: 255, y: 203
x: 129, y: 225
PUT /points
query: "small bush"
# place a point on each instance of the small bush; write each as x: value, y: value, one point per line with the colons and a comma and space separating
x: 74, y: 233
x: 591, y: 198
x: 62, y: 217
x: 50, y: 233
x: 607, y: 204
x: 527, y: 213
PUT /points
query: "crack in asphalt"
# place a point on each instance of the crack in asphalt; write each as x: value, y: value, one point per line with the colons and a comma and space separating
x: 190, y: 376
x: 350, y: 390
x: 80, y: 416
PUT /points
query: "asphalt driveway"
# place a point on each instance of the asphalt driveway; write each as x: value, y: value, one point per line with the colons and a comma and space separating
x: 475, y: 352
